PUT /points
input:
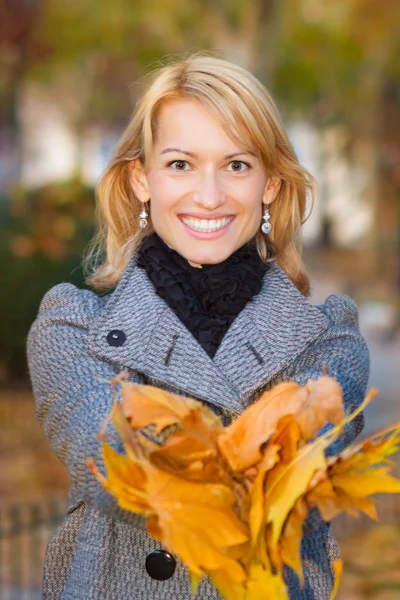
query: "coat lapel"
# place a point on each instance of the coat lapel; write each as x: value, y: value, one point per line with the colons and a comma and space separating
x: 268, y: 333
x: 272, y: 330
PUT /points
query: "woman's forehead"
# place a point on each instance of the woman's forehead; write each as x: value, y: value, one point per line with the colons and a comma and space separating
x: 187, y: 124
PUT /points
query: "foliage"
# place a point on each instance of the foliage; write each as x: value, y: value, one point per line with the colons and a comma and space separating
x: 231, y: 502
x: 43, y: 234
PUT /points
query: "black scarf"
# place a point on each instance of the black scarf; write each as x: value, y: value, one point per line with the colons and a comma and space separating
x: 206, y: 300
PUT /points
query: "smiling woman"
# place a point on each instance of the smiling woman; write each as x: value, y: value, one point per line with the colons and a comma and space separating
x: 205, y: 142
x: 206, y: 193
x: 200, y: 214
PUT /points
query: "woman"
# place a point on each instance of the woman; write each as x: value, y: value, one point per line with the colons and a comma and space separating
x: 201, y: 208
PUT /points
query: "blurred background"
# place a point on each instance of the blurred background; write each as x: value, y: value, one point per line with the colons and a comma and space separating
x: 70, y: 73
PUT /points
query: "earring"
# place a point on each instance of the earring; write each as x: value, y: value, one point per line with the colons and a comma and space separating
x: 143, y: 215
x: 266, y: 227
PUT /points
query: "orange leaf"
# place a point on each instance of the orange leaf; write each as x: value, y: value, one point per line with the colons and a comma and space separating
x: 145, y: 405
x: 324, y: 404
x: 257, y: 507
x: 127, y: 481
x: 311, y: 406
x: 191, y: 451
x: 290, y: 540
x: 287, y: 483
x: 197, y: 521
x: 288, y: 437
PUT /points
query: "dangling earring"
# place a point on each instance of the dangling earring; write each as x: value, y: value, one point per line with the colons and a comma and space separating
x: 266, y: 227
x: 143, y: 215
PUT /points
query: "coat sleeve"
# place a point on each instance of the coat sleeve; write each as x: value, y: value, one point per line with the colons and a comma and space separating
x: 71, y: 403
x: 345, y: 354
x: 343, y: 351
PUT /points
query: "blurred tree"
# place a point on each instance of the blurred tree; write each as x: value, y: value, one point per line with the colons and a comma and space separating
x: 20, y: 48
x: 339, y: 63
x: 42, y: 236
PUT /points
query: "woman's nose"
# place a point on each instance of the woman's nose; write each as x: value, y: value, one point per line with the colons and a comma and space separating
x: 210, y: 193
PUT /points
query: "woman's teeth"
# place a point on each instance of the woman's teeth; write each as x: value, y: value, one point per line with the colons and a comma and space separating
x: 205, y: 224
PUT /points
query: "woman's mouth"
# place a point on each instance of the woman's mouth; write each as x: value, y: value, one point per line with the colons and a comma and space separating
x: 206, y: 228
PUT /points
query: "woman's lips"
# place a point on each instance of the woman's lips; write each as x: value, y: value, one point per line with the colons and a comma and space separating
x: 208, y: 217
x: 207, y: 235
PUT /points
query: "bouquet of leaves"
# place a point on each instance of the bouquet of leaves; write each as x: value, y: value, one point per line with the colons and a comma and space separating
x: 231, y: 501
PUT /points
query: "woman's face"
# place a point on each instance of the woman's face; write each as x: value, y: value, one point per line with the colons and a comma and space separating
x: 199, y: 179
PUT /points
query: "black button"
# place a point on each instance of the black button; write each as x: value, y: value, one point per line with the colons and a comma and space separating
x: 160, y: 565
x: 116, y: 337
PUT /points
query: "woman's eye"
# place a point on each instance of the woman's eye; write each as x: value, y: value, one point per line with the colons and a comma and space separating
x: 179, y: 165
x: 238, y: 166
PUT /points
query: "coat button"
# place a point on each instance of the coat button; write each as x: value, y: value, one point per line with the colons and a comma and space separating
x: 116, y: 337
x: 160, y: 565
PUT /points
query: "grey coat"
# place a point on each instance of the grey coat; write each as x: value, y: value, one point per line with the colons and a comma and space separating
x: 99, y: 550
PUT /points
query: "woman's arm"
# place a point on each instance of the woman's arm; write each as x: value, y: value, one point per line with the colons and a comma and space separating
x: 343, y: 352
x: 71, y: 404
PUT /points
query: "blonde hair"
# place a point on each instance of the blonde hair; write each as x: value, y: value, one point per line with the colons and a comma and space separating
x: 242, y: 106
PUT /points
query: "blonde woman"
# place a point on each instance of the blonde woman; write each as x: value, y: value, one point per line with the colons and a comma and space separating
x: 200, y: 211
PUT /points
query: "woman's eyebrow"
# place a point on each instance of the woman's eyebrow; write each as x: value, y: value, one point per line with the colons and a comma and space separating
x: 192, y: 154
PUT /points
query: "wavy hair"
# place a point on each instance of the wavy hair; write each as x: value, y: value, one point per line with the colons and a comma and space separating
x: 243, y: 107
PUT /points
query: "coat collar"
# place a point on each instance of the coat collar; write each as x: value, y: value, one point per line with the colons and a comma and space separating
x: 268, y: 334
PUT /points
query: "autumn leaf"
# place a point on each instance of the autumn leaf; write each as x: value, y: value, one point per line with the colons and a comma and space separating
x: 231, y: 503
x: 234, y: 590
x: 127, y: 480
x: 287, y: 437
x: 367, y: 483
x: 257, y: 491
x: 287, y: 483
x: 290, y: 540
x: 262, y: 584
x: 324, y: 404
x: 192, y: 451
x: 355, y: 474
x: 196, y: 521
x: 337, y: 567
x: 181, y: 514
x: 145, y: 405
x: 311, y: 406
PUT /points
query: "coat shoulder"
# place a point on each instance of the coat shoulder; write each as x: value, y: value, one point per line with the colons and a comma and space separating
x: 65, y: 301
x: 340, y: 309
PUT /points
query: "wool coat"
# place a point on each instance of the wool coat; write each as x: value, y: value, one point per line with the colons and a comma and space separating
x: 79, y: 339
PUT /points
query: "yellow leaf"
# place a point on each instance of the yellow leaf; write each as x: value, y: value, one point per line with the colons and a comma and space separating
x: 290, y: 540
x: 257, y: 506
x: 229, y: 590
x: 133, y: 446
x: 287, y: 483
x: 127, y: 481
x: 197, y: 521
x: 288, y: 437
x: 145, y: 405
x: 194, y: 583
x: 232, y: 502
x: 337, y: 566
x: 364, y: 505
x: 325, y: 498
x: 263, y: 585
x: 364, y: 484
x: 371, y: 451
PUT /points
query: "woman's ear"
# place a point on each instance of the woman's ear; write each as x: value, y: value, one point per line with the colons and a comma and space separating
x: 272, y: 189
x: 138, y: 180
